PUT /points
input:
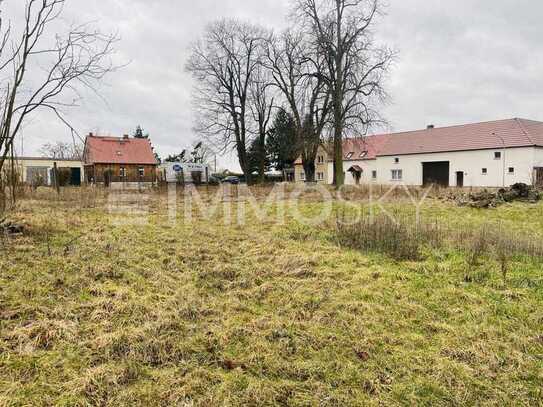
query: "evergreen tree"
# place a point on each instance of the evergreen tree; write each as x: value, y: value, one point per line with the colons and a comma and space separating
x: 139, y: 133
x: 253, y: 157
x: 281, y: 145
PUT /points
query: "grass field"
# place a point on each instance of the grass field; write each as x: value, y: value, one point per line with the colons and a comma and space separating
x: 94, y: 312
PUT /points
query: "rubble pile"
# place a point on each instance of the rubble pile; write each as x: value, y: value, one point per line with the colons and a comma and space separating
x: 487, y: 199
x: 10, y: 228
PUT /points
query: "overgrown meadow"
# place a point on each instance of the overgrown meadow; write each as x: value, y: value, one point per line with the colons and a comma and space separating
x: 98, y: 307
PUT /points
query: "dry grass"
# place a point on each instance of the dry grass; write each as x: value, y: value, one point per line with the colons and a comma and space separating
x: 261, y: 314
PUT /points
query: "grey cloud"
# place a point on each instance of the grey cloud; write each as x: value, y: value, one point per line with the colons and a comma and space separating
x: 459, y: 61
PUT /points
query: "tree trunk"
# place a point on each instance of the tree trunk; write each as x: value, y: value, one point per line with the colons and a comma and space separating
x: 262, y: 159
x: 339, y: 176
x: 309, y: 169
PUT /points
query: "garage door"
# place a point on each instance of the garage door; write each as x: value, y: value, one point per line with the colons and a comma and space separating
x: 436, y: 173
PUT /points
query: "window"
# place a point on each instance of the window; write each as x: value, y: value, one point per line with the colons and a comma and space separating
x: 396, y: 160
x: 302, y: 176
x: 374, y: 174
x: 320, y: 159
x: 397, y: 175
x: 363, y: 154
x: 320, y: 176
x: 350, y: 155
x: 485, y: 171
x: 511, y: 170
x: 497, y: 155
x: 122, y: 172
x: 141, y: 172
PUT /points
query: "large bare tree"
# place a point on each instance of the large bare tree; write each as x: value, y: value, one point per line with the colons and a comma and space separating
x: 42, y: 69
x: 261, y: 104
x: 224, y: 64
x: 355, y: 64
x: 297, y: 71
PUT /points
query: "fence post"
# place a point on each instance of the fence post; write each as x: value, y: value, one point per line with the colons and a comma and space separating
x: 55, y: 176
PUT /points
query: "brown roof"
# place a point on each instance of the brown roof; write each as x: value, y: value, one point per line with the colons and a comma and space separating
x: 118, y: 150
x: 478, y: 136
x: 363, y: 148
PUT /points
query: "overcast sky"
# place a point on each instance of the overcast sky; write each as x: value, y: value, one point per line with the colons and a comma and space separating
x: 459, y: 61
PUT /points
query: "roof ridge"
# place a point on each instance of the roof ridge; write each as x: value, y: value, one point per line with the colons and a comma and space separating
x: 444, y: 127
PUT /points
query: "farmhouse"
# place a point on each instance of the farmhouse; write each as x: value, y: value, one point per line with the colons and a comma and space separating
x: 113, y: 160
x: 490, y: 154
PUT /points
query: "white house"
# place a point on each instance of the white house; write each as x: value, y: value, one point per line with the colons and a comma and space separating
x: 491, y: 154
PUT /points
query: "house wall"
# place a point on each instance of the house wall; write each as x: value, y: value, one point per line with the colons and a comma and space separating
x: 322, y: 172
x: 96, y: 172
x: 23, y: 165
x: 523, y: 160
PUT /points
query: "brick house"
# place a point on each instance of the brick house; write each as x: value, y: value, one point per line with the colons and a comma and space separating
x: 124, y: 160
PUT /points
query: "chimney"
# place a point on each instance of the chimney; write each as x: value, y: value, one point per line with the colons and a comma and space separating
x: 430, y: 127
x: 125, y: 137
x: 90, y: 134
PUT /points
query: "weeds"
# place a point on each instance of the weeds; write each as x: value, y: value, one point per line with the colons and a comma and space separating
x: 399, y: 238
x: 267, y: 314
x: 404, y: 238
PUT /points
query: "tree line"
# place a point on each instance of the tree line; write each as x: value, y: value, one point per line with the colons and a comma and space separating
x: 280, y: 95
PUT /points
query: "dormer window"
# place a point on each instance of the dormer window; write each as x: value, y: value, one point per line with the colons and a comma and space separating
x: 363, y: 154
x: 350, y: 155
x: 119, y: 153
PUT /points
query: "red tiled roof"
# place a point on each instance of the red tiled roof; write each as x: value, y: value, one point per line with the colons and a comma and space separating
x: 117, y: 150
x: 363, y: 148
x: 478, y: 136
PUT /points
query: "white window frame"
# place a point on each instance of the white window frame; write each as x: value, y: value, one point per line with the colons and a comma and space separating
x: 397, y: 175
x: 496, y: 154
x: 302, y: 176
x: 484, y: 171
x: 374, y: 175
x: 396, y: 160
x: 511, y: 172
x: 122, y: 172
x: 141, y: 172
x: 320, y: 176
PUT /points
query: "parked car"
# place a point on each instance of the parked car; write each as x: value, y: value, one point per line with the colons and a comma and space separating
x: 231, y: 180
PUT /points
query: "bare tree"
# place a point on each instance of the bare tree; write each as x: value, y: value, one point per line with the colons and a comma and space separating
x: 62, y: 150
x: 355, y: 65
x: 223, y: 64
x: 261, y: 105
x: 297, y: 72
x: 58, y: 64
